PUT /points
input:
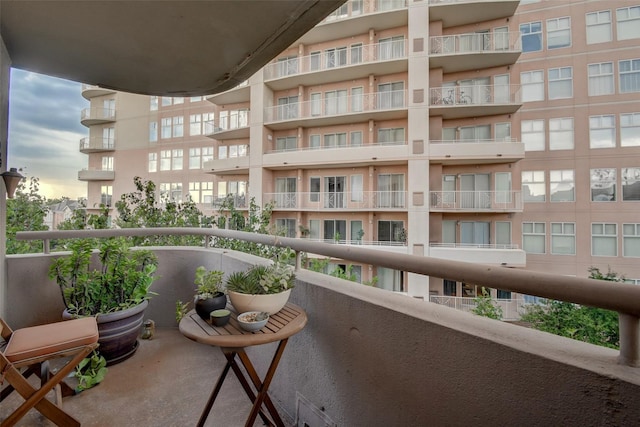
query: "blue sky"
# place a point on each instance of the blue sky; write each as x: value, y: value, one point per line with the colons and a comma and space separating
x: 45, y: 132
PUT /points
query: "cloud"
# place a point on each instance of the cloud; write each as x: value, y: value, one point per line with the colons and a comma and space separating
x: 45, y: 132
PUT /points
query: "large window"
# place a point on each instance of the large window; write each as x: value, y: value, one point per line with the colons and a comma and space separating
x: 604, y: 239
x: 153, y: 131
x: 106, y: 193
x: 195, y: 158
x: 391, y: 47
x: 601, y: 79
x: 153, y: 162
x: 599, y: 27
x: 287, y: 66
x: 631, y: 184
x: 602, y: 131
x: 628, y: 22
x: 391, y: 192
x: 603, y: 185
x: 532, y: 135
x: 166, y: 128
x: 391, y: 136
x: 287, y: 108
x: 335, y: 229
x: 503, y: 131
x: 391, y: 231
x: 563, y: 238
x: 390, y: 95
x: 178, y: 126
x: 176, y: 160
x: 153, y: 103
x: 562, y: 186
x: 335, y: 102
x: 165, y: 160
x: 531, y: 36
x: 560, y: 82
x: 532, y: 85
x: 629, y: 75
x: 288, y: 143
x: 503, y: 233
x: 631, y: 240
x: 533, y: 237
x: 533, y: 186
x: 561, y: 134
x: 286, y: 227
x: 314, y: 141
x: 314, y: 189
x: 630, y: 130
x: 335, y: 57
x: 195, y: 124
x: 558, y: 32
x: 333, y: 140
x: 355, y: 138
x: 356, y: 185
x: 286, y: 192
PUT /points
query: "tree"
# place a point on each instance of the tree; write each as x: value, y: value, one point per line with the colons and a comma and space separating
x: 25, y: 212
x: 593, y: 325
x: 486, y: 306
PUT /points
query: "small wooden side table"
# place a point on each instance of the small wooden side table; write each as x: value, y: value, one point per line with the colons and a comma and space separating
x: 232, y: 340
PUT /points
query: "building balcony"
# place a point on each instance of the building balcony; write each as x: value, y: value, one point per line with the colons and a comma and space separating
x: 240, y: 93
x: 234, y: 127
x: 351, y: 63
x: 380, y: 337
x: 96, y: 175
x: 228, y: 166
x: 368, y: 154
x: 462, y: 12
x: 511, y: 308
x: 358, y: 17
x: 474, y: 101
x: 480, y: 253
x: 379, y: 245
x: 477, y: 151
x: 473, y: 51
x: 392, y: 201
x: 96, y: 144
x: 237, y: 201
x: 91, y: 91
x: 337, y: 111
x: 97, y: 116
x: 476, y: 201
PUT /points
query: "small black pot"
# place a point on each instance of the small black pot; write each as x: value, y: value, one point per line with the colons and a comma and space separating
x: 204, y: 307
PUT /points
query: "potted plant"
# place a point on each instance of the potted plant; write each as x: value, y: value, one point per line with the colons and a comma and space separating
x: 116, y: 292
x: 261, y: 288
x: 210, y: 294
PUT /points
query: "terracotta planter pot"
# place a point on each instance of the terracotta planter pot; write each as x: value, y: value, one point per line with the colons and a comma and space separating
x: 271, y: 303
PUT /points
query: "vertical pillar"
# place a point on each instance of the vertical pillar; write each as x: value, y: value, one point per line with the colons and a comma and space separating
x: 5, y: 74
x: 629, y: 330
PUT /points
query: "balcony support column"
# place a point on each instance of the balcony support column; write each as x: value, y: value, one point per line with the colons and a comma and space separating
x: 629, y: 329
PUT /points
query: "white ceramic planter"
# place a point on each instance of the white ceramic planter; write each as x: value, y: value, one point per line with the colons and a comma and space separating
x: 271, y: 303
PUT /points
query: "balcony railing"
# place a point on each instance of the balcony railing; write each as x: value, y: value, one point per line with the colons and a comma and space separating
x: 338, y: 106
x: 338, y: 147
x: 96, y: 144
x: 474, y: 245
x: 236, y: 120
x: 511, y: 308
x: 355, y: 8
x: 98, y: 114
x: 235, y: 200
x: 362, y: 200
x: 480, y: 201
x: 336, y: 58
x: 473, y: 141
x: 474, y: 95
x: 357, y: 242
x: 475, y: 42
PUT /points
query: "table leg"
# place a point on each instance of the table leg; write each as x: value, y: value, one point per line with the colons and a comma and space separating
x: 230, y: 355
x: 214, y: 392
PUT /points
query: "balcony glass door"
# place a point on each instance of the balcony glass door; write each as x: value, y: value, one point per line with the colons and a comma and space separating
x: 391, y: 95
x: 475, y: 91
x: 334, y: 192
x: 474, y: 233
x: 286, y: 192
x: 390, y: 191
x: 475, y: 191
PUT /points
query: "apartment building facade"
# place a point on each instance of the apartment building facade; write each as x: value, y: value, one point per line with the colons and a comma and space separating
x: 499, y: 132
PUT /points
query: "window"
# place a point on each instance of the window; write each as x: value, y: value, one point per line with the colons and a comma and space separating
x: 355, y: 138
x: 533, y: 237
x: 475, y: 133
x: 153, y: 162
x: 604, y: 239
x: 176, y: 160
x: 531, y: 36
x: 196, y: 98
x: 562, y: 186
x: 207, y: 154
x: 356, y: 53
x: 533, y: 186
x: 335, y: 229
x: 558, y: 33
x: 599, y: 27
x: 391, y: 192
x: 286, y: 192
x: 391, y: 47
x: 602, y: 131
x: 166, y: 128
x: 391, y: 231
x: 153, y: 131
x: 631, y: 184
x: 532, y: 135
x: 166, y: 101
x: 171, y: 191
x: 628, y: 22
x: 314, y: 60
x: 178, y: 126
x: 195, y: 158
x: 390, y: 95
x: 195, y: 124
x: 333, y: 140
x: 153, y: 103
x: 107, y: 163
x: 357, y: 194
x: 206, y: 192
x: 561, y: 134
x: 106, y: 192
x: 288, y: 143
x: 335, y: 102
x: 449, y: 287
x: 222, y: 152
x: 503, y: 233
x: 629, y: 75
x: 500, y: 294
x: 194, y: 192
x: 391, y: 136
x: 287, y: 66
x: 357, y: 99
x: 503, y: 131
x: 600, y: 79
x: 563, y: 238
x: 532, y: 86
x: 287, y: 108
x: 356, y: 230
x: 165, y: 160
x: 560, y: 83
x: 336, y: 57
x: 314, y: 141
x: 503, y: 187
x: 286, y: 227
x: 603, y: 185
x: 630, y: 130
x: 388, y: 278
x: 631, y: 240
x: 314, y: 189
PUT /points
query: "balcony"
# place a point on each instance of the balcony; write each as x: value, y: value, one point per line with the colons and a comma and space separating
x: 461, y: 12
x: 356, y: 336
x: 474, y: 101
x: 228, y: 166
x: 337, y: 111
x: 91, y: 91
x: 358, y: 17
x: 473, y: 51
x: 511, y: 308
x: 340, y: 65
x: 97, y: 145
x: 480, y: 253
x: 476, y: 201
x: 477, y: 151
x: 338, y: 201
x: 97, y: 116
x: 96, y: 175
x: 240, y: 93
x: 337, y: 156
x: 234, y: 126
x: 238, y: 201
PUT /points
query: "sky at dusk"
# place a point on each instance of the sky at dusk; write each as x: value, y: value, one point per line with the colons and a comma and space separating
x: 45, y: 132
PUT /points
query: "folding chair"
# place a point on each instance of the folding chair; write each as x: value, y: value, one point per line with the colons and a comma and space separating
x: 27, y: 349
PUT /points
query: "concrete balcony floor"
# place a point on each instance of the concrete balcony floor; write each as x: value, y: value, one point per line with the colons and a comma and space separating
x: 165, y: 383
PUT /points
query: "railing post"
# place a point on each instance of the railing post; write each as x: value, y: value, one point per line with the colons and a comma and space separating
x: 46, y: 246
x: 629, y: 331
x: 298, y: 260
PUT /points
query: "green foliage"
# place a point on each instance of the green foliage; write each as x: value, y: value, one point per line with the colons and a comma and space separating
x: 208, y: 282
x: 122, y: 281
x: 262, y: 279
x: 142, y: 208
x: 25, y: 212
x: 320, y: 266
x: 485, y: 306
x: 238, y: 281
x: 589, y: 324
x: 181, y: 310
x: 90, y: 371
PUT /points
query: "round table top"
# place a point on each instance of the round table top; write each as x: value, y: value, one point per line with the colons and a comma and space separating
x: 285, y: 323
